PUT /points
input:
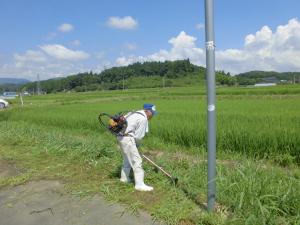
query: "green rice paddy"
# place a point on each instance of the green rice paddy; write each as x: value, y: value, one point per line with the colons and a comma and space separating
x: 258, y: 147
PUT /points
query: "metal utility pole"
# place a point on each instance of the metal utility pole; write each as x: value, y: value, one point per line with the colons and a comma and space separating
x: 295, y: 79
x: 123, y: 83
x: 38, y: 85
x: 211, y: 98
x: 21, y: 98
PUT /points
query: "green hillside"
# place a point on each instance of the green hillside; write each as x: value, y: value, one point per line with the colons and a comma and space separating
x: 11, y: 84
x: 180, y: 73
x: 138, y: 75
x: 253, y: 77
x: 13, y: 81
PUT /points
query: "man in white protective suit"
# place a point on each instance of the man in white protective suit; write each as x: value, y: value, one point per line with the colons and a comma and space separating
x: 137, y: 127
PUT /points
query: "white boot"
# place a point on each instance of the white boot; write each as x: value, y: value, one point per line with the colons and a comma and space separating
x: 143, y: 187
x: 125, y: 175
x: 139, y: 182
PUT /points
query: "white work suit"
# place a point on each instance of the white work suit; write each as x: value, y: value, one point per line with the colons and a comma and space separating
x: 137, y: 127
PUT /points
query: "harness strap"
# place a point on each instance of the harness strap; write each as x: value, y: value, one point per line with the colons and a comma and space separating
x: 127, y: 134
x: 111, y: 117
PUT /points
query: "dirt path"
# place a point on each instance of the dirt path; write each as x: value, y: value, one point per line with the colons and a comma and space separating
x: 46, y: 202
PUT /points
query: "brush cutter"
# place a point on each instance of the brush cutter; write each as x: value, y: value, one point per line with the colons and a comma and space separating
x: 174, y: 179
x: 117, y: 125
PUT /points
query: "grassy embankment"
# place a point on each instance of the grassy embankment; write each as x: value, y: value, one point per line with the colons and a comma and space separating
x: 258, y: 150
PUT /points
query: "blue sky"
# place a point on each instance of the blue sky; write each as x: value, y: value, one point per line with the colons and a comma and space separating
x: 57, y: 38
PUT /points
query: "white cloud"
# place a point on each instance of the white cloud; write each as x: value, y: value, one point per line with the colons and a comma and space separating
x: 199, y: 26
x: 65, y: 27
x: 100, y: 55
x: 76, y: 43
x: 183, y: 41
x: 50, y: 36
x: 30, y: 56
x: 63, y: 53
x: 51, y: 61
x: 46, y: 70
x: 125, y: 23
x: 130, y: 46
x: 277, y: 50
x: 183, y: 47
x: 266, y: 49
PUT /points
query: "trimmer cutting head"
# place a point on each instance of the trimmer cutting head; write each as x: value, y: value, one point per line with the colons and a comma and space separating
x: 175, y: 180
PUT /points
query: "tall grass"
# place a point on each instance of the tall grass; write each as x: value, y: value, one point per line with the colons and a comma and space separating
x: 259, y: 126
x: 248, y: 192
x: 256, y: 127
x: 251, y: 123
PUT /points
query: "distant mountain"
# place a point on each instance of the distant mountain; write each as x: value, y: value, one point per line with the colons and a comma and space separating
x: 253, y: 77
x: 155, y: 74
x: 136, y: 75
x: 265, y: 74
x: 13, y: 81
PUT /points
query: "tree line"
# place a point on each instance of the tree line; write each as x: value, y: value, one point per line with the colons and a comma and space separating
x: 253, y: 77
x: 150, y: 74
x: 136, y: 75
